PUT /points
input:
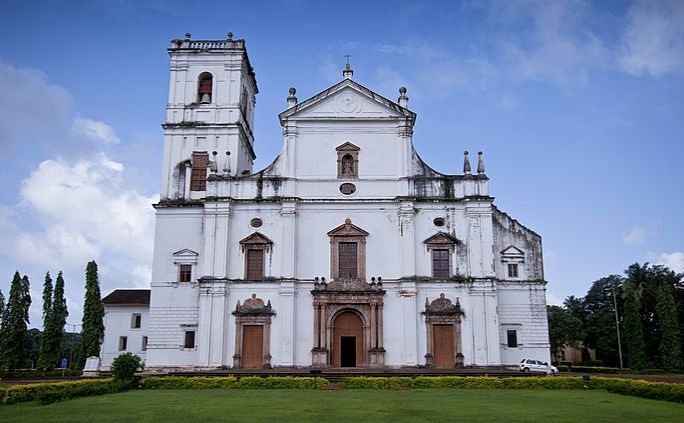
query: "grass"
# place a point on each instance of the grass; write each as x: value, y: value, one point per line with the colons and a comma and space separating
x: 437, y: 405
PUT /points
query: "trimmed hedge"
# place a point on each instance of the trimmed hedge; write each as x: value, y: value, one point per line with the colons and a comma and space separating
x: 50, y: 392
x: 652, y: 390
x: 232, y: 382
x: 36, y: 374
x: 595, y: 369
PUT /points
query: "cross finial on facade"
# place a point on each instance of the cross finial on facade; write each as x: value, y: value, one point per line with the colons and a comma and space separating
x: 347, y: 56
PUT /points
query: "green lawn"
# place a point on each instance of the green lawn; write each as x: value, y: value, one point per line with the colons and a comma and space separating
x: 438, y: 405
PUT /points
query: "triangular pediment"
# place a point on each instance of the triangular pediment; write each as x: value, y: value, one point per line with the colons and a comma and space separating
x: 512, y: 251
x: 346, y: 99
x: 347, y: 146
x: 441, y: 238
x: 348, y: 229
x: 255, y: 239
x: 185, y: 253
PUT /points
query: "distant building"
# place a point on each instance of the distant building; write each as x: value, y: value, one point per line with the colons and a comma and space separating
x: 346, y: 251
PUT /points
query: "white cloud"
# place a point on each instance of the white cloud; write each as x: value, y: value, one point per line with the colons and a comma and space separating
x: 83, y: 206
x: 94, y: 130
x: 653, y: 41
x: 638, y: 235
x: 674, y: 260
x: 551, y: 299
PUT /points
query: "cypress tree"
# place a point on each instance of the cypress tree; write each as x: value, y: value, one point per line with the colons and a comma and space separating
x: 2, y: 317
x: 633, y: 332
x: 44, y: 360
x: 15, y: 321
x: 58, y: 320
x: 670, y: 345
x: 93, y: 313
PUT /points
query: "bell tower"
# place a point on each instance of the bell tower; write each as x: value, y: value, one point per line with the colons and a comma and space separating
x: 209, y: 115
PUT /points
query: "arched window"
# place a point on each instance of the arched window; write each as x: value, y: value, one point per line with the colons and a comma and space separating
x: 204, y: 86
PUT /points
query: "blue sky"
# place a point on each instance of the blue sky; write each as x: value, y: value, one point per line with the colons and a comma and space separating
x: 577, y: 106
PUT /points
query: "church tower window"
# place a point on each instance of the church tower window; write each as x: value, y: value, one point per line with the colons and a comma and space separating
x: 204, y: 88
x: 255, y: 265
x: 198, y: 177
x: 255, y: 248
x: 440, y: 263
x: 442, y: 246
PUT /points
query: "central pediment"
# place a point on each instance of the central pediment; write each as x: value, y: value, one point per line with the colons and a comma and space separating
x: 346, y: 99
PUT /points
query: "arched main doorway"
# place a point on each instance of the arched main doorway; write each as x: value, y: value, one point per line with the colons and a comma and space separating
x: 348, y: 340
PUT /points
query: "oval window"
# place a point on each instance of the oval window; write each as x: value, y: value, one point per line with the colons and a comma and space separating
x: 347, y: 188
x: 256, y: 222
x: 440, y: 221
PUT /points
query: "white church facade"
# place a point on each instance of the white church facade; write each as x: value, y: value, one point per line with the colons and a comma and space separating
x: 347, y: 251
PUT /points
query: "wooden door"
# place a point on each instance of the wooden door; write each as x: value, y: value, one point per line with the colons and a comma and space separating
x: 252, y: 346
x: 443, y: 346
x: 348, y: 325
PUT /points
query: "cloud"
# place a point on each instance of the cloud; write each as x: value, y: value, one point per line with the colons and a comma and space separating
x: 83, y: 204
x: 653, y: 40
x: 30, y: 106
x: 674, y: 260
x: 94, y: 130
x: 638, y: 235
x: 551, y: 299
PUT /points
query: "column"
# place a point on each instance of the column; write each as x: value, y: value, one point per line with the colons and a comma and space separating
x: 288, y: 213
x: 410, y: 334
x: 407, y: 240
x: 286, y: 314
x: 204, y: 325
x: 219, y: 298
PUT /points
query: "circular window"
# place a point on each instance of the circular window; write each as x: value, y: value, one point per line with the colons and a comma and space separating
x: 440, y: 221
x: 256, y: 222
x: 347, y: 188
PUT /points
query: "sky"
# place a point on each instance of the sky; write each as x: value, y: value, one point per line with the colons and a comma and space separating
x: 577, y: 105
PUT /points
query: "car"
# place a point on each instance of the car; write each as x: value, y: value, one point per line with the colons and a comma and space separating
x: 530, y: 365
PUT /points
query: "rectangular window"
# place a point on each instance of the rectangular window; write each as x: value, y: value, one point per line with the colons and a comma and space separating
x: 198, y: 176
x: 189, y: 339
x: 348, y: 260
x: 185, y: 273
x: 255, y: 265
x: 512, y: 270
x: 440, y: 263
x: 143, y: 347
x: 512, y: 338
x: 136, y: 321
x: 123, y: 343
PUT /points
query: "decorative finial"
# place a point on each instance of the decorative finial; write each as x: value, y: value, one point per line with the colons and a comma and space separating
x: 348, y: 72
x: 230, y: 36
x: 347, y: 221
x: 226, y: 166
x: 480, y: 164
x: 188, y: 35
x: 213, y: 167
x: 292, y: 99
x: 466, y: 163
x: 403, y: 99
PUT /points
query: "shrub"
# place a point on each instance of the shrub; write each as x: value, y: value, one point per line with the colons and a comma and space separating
x: 595, y: 369
x: 50, y: 392
x: 124, y: 367
x: 36, y: 373
x: 592, y: 363
x: 231, y: 382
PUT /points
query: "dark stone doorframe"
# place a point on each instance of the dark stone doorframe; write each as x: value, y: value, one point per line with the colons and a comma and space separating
x: 441, y: 311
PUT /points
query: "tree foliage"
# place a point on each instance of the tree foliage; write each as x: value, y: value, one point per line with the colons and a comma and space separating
x: 124, y: 367
x: 634, y: 337
x: 93, y: 314
x: 54, y: 319
x: 599, y: 312
x: 15, y: 324
x: 564, y: 329
x: 44, y: 361
x: 670, y: 342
